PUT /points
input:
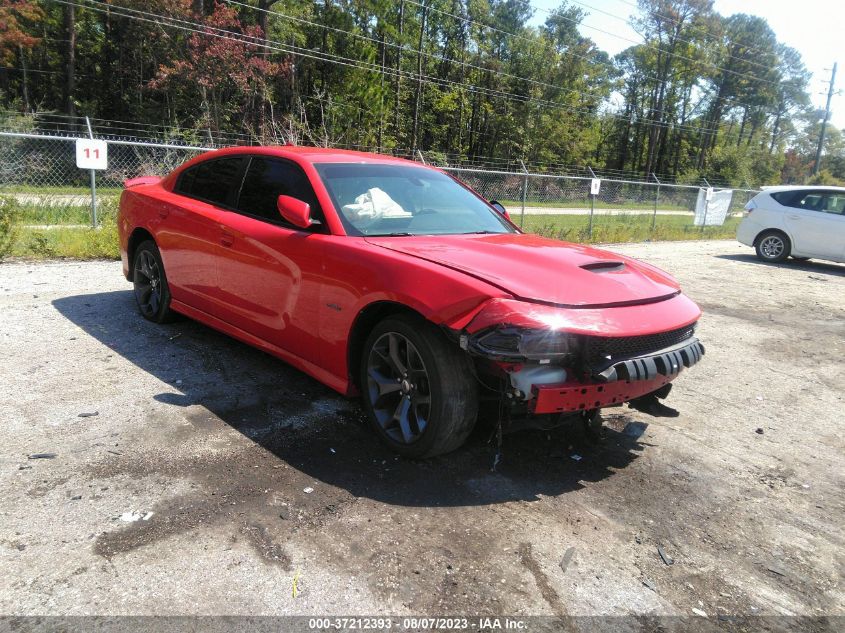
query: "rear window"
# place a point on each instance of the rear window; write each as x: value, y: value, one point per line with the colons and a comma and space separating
x: 212, y: 180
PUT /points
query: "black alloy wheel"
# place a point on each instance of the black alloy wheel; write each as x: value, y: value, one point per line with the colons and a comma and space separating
x: 151, y: 290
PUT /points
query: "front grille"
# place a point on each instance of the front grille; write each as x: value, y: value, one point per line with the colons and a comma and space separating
x: 596, y: 349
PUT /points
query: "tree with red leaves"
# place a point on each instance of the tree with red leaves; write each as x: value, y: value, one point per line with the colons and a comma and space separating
x: 13, y: 35
x: 226, y: 69
x: 15, y: 41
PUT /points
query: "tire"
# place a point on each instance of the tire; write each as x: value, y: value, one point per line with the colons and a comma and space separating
x: 773, y: 246
x: 418, y: 389
x: 152, y: 294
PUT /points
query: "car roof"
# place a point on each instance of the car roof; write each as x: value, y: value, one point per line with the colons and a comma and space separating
x: 777, y: 188
x: 316, y: 154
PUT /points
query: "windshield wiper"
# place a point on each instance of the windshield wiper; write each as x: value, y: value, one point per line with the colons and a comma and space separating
x: 480, y: 233
x: 397, y: 234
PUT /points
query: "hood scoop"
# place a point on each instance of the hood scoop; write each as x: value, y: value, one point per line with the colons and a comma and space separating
x: 604, y: 267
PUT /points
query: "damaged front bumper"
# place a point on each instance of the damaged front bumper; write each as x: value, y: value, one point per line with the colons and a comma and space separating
x: 560, y: 361
x: 621, y: 382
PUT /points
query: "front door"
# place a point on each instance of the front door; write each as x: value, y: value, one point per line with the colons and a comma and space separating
x: 270, y: 273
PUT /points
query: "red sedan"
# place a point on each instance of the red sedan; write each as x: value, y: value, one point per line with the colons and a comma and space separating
x: 389, y: 279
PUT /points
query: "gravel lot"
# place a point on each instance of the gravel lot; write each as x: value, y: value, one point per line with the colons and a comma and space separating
x: 743, y: 491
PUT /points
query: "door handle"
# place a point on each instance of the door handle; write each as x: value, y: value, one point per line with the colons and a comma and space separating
x: 227, y: 239
x: 794, y: 217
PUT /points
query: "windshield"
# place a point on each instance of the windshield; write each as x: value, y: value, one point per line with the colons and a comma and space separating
x: 374, y: 199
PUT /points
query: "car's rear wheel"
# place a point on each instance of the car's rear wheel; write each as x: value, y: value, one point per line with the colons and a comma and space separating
x: 773, y: 246
x: 151, y: 290
x: 418, y: 389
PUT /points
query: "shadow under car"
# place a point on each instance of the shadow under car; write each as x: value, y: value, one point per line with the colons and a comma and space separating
x: 308, y: 427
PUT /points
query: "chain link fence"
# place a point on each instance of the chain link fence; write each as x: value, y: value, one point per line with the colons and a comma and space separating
x: 528, y: 195
x: 39, y: 171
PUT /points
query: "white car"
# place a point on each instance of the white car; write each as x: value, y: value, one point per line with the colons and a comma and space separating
x: 795, y: 221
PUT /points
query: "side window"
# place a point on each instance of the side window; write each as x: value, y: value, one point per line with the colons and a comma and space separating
x: 212, y: 180
x: 834, y: 203
x: 811, y: 201
x: 266, y: 179
x: 803, y: 199
x: 787, y: 198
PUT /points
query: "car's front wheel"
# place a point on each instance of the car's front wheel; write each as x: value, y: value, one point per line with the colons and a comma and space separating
x: 151, y: 290
x: 418, y: 388
x: 773, y: 246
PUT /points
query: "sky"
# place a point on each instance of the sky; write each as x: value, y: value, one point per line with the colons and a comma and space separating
x: 812, y: 27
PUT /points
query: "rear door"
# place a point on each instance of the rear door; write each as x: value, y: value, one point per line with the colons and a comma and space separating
x: 813, y: 229
x: 833, y: 209
x: 270, y: 272
x: 189, y: 237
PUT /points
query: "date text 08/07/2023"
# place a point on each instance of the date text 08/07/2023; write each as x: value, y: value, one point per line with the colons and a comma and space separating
x: 417, y: 623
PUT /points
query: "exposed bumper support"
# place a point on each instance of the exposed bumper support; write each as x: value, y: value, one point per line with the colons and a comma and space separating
x: 665, y: 363
x: 622, y: 382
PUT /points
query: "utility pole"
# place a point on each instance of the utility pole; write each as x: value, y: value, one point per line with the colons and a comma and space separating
x: 824, y: 121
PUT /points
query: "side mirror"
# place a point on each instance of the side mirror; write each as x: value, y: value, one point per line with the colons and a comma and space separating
x: 499, y: 207
x: 294, y: 211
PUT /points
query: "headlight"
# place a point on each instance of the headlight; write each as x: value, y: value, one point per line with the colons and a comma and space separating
x: 511, y: 343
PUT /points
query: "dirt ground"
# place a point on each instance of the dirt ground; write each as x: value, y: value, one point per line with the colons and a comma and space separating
x: 260, y: 491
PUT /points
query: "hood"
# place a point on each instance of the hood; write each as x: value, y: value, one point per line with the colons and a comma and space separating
x: 542, y: 270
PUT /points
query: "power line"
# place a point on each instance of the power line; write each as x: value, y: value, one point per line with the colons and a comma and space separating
x: 201, y: 29
x: 701, y: 30
x: 495, y: 29
x: 440, y: 57
x: 405, y: 49
x: 628, y: 22
x: 468, y: 20
x: 607, y: 65
x: 677, y: 55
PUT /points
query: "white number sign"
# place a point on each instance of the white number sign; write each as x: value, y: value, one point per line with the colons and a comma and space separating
x: 92, y: 154
x: 595, y: 186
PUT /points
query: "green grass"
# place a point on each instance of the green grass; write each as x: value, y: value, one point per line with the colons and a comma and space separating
x: 68, y: 241
x: 514, y: 206
x: 33, y: 213
x: 614, y: 229
x: 102, y: 243
x: 60, y: 190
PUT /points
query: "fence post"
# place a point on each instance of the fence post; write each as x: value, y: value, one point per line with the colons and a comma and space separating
x: 656, y: 202
x: 706, y: 205
x: 592, y: 207
x: 93, y: 182
x: 524, y: 193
